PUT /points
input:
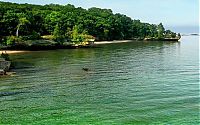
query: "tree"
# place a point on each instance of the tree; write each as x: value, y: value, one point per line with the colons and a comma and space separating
x: 173, y: 35
x: 72, y: 23
x: 179, y: 35
x: 57, y: 34
x: 22, y: 21
x: 161, y: 31
x: 8, y: 23
x: 75, y: 35
x: 51, y: 20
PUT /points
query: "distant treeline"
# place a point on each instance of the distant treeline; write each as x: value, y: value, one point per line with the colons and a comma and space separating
x: 29, y: 21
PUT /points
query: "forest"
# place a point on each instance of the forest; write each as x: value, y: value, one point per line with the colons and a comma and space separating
x: 22, y: 22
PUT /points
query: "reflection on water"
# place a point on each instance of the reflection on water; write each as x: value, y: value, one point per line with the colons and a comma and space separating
x: 127, y: 83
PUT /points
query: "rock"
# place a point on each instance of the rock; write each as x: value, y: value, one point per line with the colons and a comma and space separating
x: 5, y: 65
x: 85, y: 69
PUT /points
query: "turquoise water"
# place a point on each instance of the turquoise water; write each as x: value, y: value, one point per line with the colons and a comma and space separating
x: 127, y: 83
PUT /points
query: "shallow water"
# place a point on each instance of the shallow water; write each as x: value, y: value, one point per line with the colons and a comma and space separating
x: 127, y: 83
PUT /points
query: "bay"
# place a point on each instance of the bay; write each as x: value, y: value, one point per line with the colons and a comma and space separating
x: 127, y: 83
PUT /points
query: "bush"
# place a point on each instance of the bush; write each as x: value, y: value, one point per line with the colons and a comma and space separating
x: 2, y: 41
x: 59, y: 39
x: 11, y: 40
x: 173, y: 35
x: 33, y: 36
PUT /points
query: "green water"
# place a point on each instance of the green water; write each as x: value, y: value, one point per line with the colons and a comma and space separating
x: 128, y: 83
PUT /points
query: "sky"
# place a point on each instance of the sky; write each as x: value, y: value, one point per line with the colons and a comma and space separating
x: 174, y: 14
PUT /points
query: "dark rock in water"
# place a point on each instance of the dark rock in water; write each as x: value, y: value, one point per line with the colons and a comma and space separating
x: 4, y: 65
x: 85, y: 69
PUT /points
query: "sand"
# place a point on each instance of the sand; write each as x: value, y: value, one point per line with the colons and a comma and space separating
x: 97, y: 43
x: 115, y: 41
x: 12, y: 51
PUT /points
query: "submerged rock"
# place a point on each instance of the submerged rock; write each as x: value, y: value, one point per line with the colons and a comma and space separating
x: 85, y: 69
x: 4, y: 66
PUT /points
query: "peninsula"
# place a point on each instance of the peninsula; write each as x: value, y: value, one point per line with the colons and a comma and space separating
x: 27, y: 26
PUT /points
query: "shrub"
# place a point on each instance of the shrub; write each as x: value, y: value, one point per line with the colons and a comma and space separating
x: 11, y: 40
x: 33, y: 36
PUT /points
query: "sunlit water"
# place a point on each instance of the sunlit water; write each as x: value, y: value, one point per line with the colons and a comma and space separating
x: 127, y: 83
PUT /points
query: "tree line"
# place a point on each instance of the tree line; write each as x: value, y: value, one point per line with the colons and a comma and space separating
x: 27, y: 21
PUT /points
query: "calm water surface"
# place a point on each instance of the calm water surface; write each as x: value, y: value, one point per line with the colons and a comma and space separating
x: 128, y: 83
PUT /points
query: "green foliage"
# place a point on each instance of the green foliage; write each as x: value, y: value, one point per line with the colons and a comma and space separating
x: 79, y: 38
x: 11, y: 40
x: 170, y: 34
x: 161, y: 31
x: 75, y: 32
x: 57, y: 31
x: 173, y: 35
x: 8, y: 22
x: 34, y: 35
x: 51, y: 20
x: 67, y: 22
x: 57, y: 35
x: 76, y: 37
x: 22, y: 22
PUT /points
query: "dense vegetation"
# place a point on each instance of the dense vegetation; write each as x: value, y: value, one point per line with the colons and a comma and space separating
x: 22, y: 22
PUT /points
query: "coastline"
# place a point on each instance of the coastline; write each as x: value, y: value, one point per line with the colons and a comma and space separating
x: 109, y: 42
x: 12, y: 51
x: 25, y: 49
x: 126, y: 41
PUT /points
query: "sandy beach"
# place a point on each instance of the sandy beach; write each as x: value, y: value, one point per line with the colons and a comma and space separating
x: 115, y: 41
x: 12, y: 51
x: 96, y: 43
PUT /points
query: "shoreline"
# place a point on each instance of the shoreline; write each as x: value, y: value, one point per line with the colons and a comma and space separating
x: 17, y: 50
x: 12, y: 51
x: 109, y: 42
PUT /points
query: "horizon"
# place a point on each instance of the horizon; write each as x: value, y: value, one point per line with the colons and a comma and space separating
x: 183, y: 19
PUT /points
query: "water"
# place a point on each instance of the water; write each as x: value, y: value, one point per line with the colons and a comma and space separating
x: 128, y: 83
